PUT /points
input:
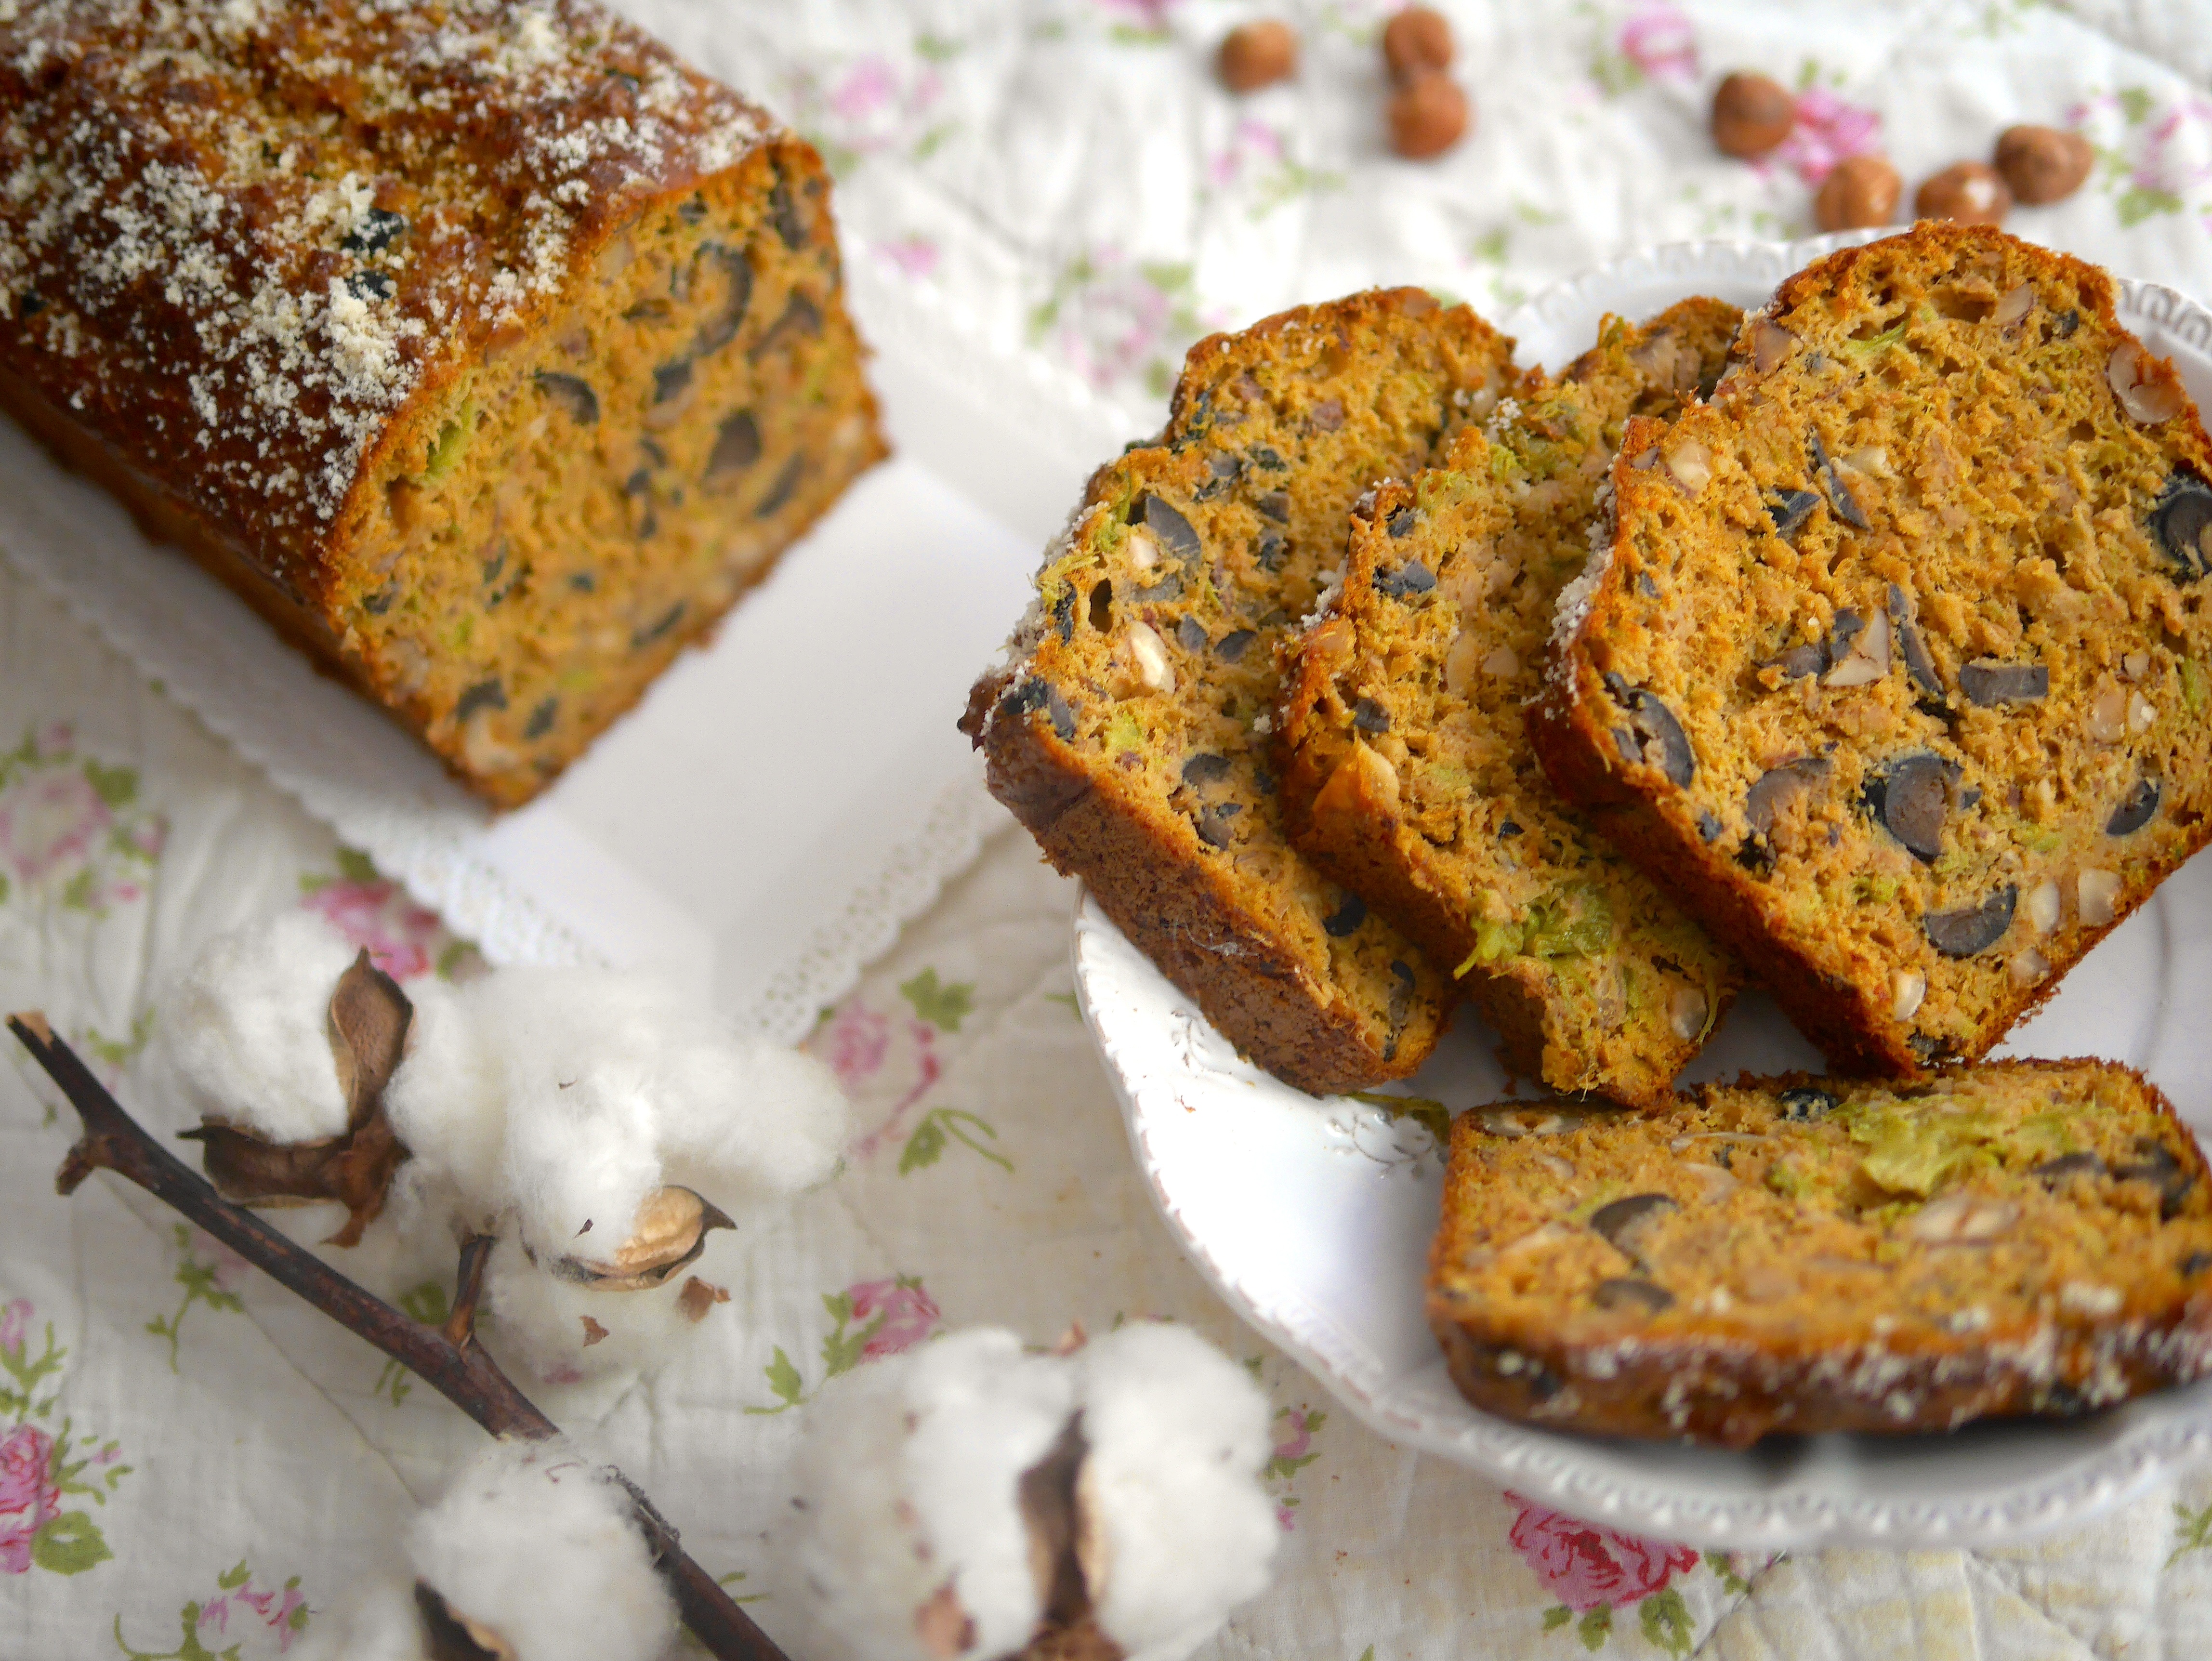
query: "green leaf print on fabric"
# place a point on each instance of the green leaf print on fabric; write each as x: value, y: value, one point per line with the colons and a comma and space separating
x: 19, y: 1397
x: 926, y: 1146
x: 208, y: 1283
x: 2194, y: 1532
x: 71, y: 1544
x: 944, y: 1006
x: 116, y: 1054
x: 1666, y: 1622
x: 1595, y: 1626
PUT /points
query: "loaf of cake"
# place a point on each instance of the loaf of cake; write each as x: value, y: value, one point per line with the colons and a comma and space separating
x: 1812, y: 1254
x: 1895, y: 666
x: 1406, y: 771
x: 1128, y: 727
x: 486, y: 349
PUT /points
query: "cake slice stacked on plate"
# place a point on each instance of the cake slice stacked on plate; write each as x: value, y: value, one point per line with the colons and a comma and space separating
x: 1895, y: 666
x: 1129, y: 729
x: 1408, y: 775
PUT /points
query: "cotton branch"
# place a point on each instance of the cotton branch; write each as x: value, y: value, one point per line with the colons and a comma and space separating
x: 443, y: 1357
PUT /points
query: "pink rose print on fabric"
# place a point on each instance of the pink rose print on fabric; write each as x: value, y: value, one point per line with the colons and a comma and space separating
x: 2148, y: 156
x: 400, y: 936
x: 914, y: 256
x: 908, y: 1315
x: 1659, y: 41
x: 1251, y: 143
x: 872, y: 109
x: 15, y: 1325
x: 1827, y: 131
x: 1150, y: 15
x: 51, y: 820
x: 1584, y: 1565
x: 854, y: 1044
x: 273, y: 1607
x: 28, y: 1498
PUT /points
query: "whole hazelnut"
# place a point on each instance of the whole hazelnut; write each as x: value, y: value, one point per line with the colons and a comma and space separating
x: 1256, y: 55
x: 1859, y: 189
x: 1751, y: 115
x: 1971, y: 193
x: 1415, y: 42
x: 2042, y: 164
x: 1428, y: 115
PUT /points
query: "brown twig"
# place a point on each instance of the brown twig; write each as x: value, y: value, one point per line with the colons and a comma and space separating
x: 468, y: 1286
x: 443, y: 1357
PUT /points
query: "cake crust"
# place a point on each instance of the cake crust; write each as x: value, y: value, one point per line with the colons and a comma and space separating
x: 268, y: 273
x: 1806, y: 1254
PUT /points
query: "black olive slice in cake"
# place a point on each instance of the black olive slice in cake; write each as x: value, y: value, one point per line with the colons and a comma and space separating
x: 1408, y: 773
x: 1895, y: 666
x: 1129, y: 730
x: 1815, y: 1254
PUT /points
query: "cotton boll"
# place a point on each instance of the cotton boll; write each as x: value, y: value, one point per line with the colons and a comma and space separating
x: 910, y: 1516
x: 541, y: 1546
x: 579, y: 1161
x: 1177, y: 1435
x: 446, y: 1101
x: 560, y: 1333
x: 569, y: 1095
x: 750, y: 1119
x: 249, y: 1028
x: 376, y: 1622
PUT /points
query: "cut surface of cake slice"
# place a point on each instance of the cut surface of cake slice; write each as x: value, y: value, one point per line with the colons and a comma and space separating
x: 1814, y: 1254
x: 1896, y: 666
x: 1129, y: 730
x: 1408, y: 773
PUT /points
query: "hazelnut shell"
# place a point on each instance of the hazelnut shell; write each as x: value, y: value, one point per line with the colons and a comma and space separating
x: 1969, y: 192
x: 2042, y: 164
x: 1859, y: 191
x: 1427, y: 115
x: 1752, y: 114
x: 1415, y: 42
x: 1256, y: 55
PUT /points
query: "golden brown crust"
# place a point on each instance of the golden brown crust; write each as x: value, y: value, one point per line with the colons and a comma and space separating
x: 1717, y: 1379
x: 1844, y: 973
x: 1195, y: 927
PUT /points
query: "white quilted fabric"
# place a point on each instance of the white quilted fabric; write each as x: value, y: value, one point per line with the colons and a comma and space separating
x: 191, y: 1462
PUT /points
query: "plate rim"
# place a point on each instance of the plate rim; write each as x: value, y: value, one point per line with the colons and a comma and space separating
x: 1541, y: 1464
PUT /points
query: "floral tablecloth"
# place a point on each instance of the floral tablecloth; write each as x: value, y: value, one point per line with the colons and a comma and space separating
x: 191, y: 1463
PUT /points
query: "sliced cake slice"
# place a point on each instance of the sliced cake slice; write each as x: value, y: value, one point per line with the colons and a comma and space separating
x: 1813, y: 1254
x: 1896, y: 665
x: 1127, y: 729
x: 1408, y: 773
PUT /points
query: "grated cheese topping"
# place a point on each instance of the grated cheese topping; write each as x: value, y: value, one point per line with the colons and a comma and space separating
x: 237, y: 238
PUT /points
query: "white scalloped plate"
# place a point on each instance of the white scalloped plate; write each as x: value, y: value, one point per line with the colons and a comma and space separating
x: 1312, y: 1217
